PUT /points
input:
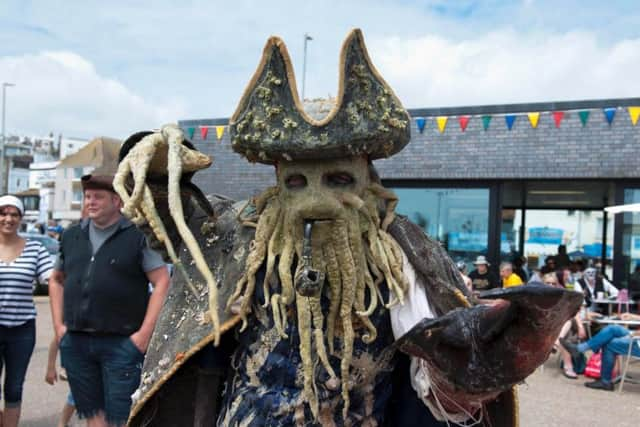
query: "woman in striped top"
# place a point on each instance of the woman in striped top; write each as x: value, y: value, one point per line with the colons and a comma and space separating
x: 21, y: 262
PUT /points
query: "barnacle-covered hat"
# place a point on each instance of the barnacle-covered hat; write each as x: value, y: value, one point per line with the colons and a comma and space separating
x: 270, y: 123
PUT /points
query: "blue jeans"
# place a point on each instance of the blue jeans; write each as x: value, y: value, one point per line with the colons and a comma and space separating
x: 613, y: 340
x: 16, y: 348
x: 103, y: 372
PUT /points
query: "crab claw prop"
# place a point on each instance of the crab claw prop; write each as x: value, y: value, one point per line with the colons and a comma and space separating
x: 473, y: 354
x: 165, y: 153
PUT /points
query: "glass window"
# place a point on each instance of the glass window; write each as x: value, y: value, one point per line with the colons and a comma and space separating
x: 457, y: 217
x: 545, y: 229
x: 77, y: 195
x: 631, y: 245
x: 77, y: 173
x: 31, y: 203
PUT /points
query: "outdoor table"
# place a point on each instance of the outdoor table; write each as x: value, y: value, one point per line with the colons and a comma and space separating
x: 612, y: 302
x: 616, y: 321
x: 608, y: 320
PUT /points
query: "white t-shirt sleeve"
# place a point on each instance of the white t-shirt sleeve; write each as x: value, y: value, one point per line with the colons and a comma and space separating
x: 404, y: 317
x: 608, y: 287
x: 416, y: 306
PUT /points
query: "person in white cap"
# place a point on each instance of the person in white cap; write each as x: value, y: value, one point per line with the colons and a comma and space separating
x: 21, y: 263
x: 481, y: 278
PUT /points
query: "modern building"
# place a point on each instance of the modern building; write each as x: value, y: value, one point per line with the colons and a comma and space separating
x: 18, y: 173
x: 70, y: 145
x: 31, y: 201
x: 100, y: 153
x: 496, y: 180
x: 42, y: 177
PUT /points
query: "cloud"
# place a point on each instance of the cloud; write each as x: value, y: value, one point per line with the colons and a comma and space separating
x: 508, y: 67
x: 118, y: 67
x: 60, y: 91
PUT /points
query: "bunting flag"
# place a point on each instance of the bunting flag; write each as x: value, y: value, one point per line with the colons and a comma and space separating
x: 557, y: 117
x: 634, y: 113
x: 442, y: 123
x: 204, y: 130
x: 464, y: 121
x: 219, y: 132
x: 533, y: 119
x: 191, y: 131
x: 510, y: 119
x: 584, y: 117
x: 610, y: 113
x: 485, y: 122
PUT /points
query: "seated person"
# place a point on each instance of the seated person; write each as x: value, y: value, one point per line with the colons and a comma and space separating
x: 613, y: 340
x: 536, y: 277
x: 549, y: 265
x: 590, y: 285
x: 509, y: 278
x: 481, y: 278
x: 571, y: 330
x: 520, y: 269
x: 551, y: 279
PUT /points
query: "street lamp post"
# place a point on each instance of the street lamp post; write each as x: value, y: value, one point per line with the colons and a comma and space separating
x: 5, y: 85
x: 307, y: 38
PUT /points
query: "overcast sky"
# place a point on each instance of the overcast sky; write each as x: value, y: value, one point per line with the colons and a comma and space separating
x: 89, y: 68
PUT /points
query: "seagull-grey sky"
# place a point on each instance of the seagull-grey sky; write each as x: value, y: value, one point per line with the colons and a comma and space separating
x: 88, y: 68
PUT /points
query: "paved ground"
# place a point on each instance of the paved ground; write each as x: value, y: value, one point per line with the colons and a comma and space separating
x: 41, y: 402
x: 550, y: 399
x: 547, y: 398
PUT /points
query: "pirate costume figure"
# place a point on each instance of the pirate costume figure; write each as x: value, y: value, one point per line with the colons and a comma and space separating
x: 313, y: 304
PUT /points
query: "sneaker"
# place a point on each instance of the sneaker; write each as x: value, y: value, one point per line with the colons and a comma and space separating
x: 599, y: 385
x: 570, y: 347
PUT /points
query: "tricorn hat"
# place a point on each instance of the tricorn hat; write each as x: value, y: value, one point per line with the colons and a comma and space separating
x: 97, y: 182
x: 270, y: 124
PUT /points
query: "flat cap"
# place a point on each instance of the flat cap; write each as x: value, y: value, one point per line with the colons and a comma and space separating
x: 97, y: 182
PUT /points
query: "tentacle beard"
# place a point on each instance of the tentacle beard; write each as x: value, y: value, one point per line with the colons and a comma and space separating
x: 356, y: 254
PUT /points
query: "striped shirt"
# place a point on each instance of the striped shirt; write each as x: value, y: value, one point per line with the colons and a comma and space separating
x: 16, y: 283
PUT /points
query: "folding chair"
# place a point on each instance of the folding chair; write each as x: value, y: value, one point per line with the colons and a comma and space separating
x: 629, y: 358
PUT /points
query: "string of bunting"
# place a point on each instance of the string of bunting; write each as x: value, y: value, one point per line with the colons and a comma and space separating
x: 204, y: 131
x: 463, y: 121
x: 534, y: 119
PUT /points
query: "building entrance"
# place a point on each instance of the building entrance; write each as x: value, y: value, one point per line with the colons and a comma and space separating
x: 538, y: 234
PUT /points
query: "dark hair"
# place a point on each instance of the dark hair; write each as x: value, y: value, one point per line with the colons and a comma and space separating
x: 3, y: 208
x: 560, y: 277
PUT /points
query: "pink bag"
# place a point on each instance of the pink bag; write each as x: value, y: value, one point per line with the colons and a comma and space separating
x: 594, y: 364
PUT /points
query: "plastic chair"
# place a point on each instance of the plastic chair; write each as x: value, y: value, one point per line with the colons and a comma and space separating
x: 623, y: 375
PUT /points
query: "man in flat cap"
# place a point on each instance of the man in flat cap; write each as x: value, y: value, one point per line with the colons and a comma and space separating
x: 102, y: 311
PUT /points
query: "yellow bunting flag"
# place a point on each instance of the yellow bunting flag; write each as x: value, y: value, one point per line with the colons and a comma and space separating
x: 442, y: 123
x: 533, y: 119
x: 219, y: 132
x: 634, y: 113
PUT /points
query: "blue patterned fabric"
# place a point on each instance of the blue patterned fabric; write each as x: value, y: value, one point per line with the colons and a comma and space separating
x: 266, y: 384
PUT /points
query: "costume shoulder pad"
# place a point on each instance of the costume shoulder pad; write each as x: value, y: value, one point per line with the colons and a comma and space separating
x: 184, y: 325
